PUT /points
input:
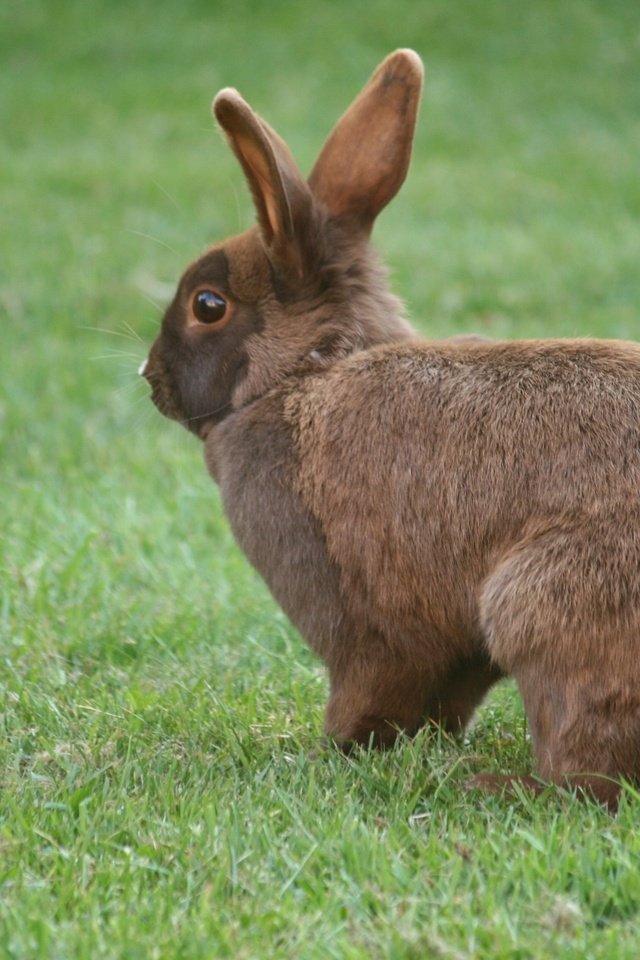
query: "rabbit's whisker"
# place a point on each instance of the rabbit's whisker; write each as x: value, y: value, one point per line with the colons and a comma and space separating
x: 168, y: 196
x: 147, y: 236
x: 134, y: 333
x: 112, y: 333
x: 116, y: 355
x: 154, y: 303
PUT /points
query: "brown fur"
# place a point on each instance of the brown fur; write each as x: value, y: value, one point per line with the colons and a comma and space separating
x: 431, y: 516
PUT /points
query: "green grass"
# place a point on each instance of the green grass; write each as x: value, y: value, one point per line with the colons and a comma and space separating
x: 164, y: 790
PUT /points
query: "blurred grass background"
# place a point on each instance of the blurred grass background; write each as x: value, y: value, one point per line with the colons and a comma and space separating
x: 161, y: 793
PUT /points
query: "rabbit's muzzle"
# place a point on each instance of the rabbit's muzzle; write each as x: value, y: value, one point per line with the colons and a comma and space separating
x: 162, y: 395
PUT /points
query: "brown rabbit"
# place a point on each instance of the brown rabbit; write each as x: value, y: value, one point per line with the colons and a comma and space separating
x: 431, y: 515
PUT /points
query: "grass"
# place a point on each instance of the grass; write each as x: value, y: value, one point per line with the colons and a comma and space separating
x: 164, y: 788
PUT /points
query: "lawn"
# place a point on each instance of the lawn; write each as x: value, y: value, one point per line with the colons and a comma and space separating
x: 164, y: 791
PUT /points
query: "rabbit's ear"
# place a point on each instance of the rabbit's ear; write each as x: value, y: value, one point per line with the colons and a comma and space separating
x: 365, y: 159
x: 283, y: 200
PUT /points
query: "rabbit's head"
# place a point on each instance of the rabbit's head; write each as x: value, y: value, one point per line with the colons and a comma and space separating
x: 303, y: 287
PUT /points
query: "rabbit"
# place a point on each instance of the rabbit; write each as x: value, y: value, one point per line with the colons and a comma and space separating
x: 431, y: 515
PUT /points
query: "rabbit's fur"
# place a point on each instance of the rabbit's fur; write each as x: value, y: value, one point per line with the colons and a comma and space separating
x: 431, y: 515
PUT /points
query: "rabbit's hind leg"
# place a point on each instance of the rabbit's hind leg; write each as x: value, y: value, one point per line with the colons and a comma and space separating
x: 586, y: 736
x: 561, y: 613
x: 585, y: 728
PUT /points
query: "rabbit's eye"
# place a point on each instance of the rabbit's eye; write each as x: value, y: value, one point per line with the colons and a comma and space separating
x: 208, y: 307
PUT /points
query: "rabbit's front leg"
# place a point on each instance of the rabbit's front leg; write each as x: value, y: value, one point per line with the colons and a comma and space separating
x: 456, y: 699
x: 376, y: 695
x: 373, y: 699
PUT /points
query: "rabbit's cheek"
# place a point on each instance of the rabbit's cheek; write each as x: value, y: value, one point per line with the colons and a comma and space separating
x: 203, y: 377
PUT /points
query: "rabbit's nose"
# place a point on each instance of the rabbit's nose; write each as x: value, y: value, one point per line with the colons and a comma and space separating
x: 142, y: 369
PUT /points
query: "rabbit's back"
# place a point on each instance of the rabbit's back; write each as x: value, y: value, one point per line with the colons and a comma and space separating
x: 548, y: 424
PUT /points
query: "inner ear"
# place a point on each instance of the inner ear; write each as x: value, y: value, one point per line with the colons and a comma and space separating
x: 284, y: 203
x: 264, y: 186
